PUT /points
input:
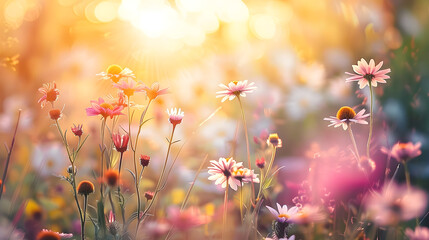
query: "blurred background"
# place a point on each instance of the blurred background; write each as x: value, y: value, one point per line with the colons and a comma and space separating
x: 296, y: 52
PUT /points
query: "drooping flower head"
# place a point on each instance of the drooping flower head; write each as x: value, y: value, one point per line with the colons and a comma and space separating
x: 368, y: 73
x: 104, y: 109
x: 394, y: 204
x: 235, y: 89
x: 77, y: 130
x: 347, y: 115
x: 175, y: 116
x: 148, y: 195
x: 85, y: 188
x: 260, y: 162
x: 420, y: 233
x: 405, y: 151
x: 144, y: 160
x: 115, y: 73
x: 129, y: 86
x: 50, y: 93
x: 153, y: 92
x: 120, y: 142
x: 283, y: 214
x: 273, y: 139
x: 221, y: 172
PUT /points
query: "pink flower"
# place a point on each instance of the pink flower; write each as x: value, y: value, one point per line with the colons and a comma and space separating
x: 221, y: 172
x: 104, y: 109
x: 366, y: 73
x: 420, y: 233
x: 186, y: 219
x: 245, y: 175
x: 394, y: 204
x: 175, y: 116
x: 154, y: 91
x: 308, y: 214
x: 129, y: 86
x: 50, y: 93
x: 120, y: 142
x: 77, y: 130
x: 345, y: 116
x: 283, y: 214
x: 235, y: 89
x: 260, y: 162
x: 404, y: 151
x: 115, y: 73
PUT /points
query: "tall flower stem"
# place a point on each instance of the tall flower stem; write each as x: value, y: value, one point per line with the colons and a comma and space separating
x: 134, y: 149
x: 225, y: 210
x: 8, y: 155
x: 157, y: 188
x: 407, y: 175
x: 247, y: 145
x: 72, y: 159
x: 85, y: 204
x: 354, y: 143
x: 241, y: 200
x: 119, y: 190
x: 368, y: 144
x: 263, y: 178
x: 103, y: 127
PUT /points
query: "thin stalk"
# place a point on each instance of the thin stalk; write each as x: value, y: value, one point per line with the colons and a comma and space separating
x: 225, y: 210
x: 103, y: 126
x: 368, y: 144
x: 407, y: 175
x: 119, y: 190
x: 241, y: 200
x: 72, y: 160
x: 85, y: 203
x: 159, y: 180
x: 273, y: 155
x: 3, y: 179
x: 354, y: 143
x: 247, y: 145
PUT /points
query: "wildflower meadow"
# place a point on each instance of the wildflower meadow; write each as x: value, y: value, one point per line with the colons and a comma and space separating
x: 214, y: 119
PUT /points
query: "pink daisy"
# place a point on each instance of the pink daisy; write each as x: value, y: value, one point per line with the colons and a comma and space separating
x: 347, y: 115
x: 104, y: 109
x: 368, y: 72
x: 395, y: 204
x: 154, y: 91
x: 186, y: 219
x: 50, y: 93
x: 235, y: 89
x: 120, y: 142
x: 245, y: 175
x: 283, y: 214
x: 175, y: 116
x: 129, y: 86
x: 221, y: 172
x: 420, y: 233
x: 404, y: 151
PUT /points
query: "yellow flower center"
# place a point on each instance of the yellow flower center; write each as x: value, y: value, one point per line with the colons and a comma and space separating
x: 114, y: 69
x: 106, y: 105
x: 235, y: 82
x: 346, y: 113
x: 283, y: 215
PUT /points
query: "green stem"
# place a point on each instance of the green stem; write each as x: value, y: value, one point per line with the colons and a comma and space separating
x: 85, y: 203
x: 368, y: 144
x: 273, y: 155
x: 247, y: 145
x: 241, y: 200
x: 119, y: 190
x: 354, y: 143
x: 103, y: 126
x: 225, y: 210
x: 9, y: 154
x: 159, y: 180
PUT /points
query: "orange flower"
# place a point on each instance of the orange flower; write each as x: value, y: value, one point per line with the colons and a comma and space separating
x: 115, y: 73
x: 50, y: 93
x: 85, y: 188
x: 55, y: 114
x: 153, y: 91
x: 111, y: 177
